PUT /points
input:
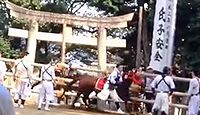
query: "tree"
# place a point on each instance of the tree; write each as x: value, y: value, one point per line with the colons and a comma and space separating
x: 4, y: 18
x: 5, y: 47
x: 111, y: 8
x: 57, y: 6
x: 187, y: 34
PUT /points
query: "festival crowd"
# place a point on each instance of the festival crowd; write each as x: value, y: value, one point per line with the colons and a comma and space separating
x: 120, y: 79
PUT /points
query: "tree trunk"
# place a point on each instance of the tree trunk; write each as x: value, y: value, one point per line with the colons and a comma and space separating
x: 145, y: 41
x: 139, y: 38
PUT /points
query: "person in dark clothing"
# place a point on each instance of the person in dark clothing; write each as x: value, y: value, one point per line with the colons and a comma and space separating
x: 123, y: 88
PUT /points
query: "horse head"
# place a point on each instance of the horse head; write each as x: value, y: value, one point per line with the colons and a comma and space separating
x: 59, y: 69
x: 63, y: 70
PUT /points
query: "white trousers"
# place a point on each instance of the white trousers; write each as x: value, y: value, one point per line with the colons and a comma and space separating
x: 106, y: 92
x: 161, y: 102
x: 194, y: 104
x: 22, y: 90
x: 47, y: 91
x: 114, y: 96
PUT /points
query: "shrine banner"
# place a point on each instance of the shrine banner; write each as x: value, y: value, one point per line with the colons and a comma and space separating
x: 163, y: 34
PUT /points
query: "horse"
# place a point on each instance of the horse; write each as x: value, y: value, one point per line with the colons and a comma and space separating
x: 87, y: 85
x: 137, y: 88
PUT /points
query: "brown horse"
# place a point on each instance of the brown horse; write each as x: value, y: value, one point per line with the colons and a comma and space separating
x: 87, y: 85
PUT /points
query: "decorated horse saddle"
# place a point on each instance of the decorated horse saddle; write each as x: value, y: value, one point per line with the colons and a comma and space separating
x: 100, y: 83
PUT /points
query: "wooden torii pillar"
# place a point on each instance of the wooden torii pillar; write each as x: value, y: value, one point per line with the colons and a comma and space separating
x: 102, y: 55
x: 67, y: 33
x: 32, y: 39
x: 67, y: 19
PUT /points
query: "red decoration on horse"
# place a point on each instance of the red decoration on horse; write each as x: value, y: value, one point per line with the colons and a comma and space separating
x: 100, y: 83
x: 137, y: 79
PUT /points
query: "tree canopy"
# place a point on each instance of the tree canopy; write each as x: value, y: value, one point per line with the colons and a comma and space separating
x: 187, y: 39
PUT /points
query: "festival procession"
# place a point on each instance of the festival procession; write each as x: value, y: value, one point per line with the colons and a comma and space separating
x: 80, y: 57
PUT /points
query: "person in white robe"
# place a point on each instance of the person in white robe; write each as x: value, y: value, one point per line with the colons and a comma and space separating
x: 47, y: 89
x: 22, y: 78
x: 193, y: 92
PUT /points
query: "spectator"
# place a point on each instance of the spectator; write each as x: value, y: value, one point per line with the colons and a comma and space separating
x: 6, y: 106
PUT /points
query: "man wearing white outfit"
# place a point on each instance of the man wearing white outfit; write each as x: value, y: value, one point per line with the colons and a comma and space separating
x: 164, y: 86
x: 193, y: 92
x: 2, y: 69
x: 110, y: 87
x: 47, y: 89
x: 22, y: 78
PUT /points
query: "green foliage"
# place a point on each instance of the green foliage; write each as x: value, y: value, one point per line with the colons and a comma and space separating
x: 30, y: 4
x: 6, y: 49
x: 187, y: 40
x: 116, y: 7
x: 106, y: 5
x: 4, y: 20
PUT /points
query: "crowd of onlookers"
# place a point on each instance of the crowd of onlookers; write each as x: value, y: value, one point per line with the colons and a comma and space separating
x: 159, y: 87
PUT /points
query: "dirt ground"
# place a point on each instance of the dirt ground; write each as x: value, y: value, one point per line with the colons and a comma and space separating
x: 63, y: 110
x: 32, y: 110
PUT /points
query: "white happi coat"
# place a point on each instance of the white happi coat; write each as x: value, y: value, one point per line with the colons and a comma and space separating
x: 48, y: 76
x: 162, y: 89
x: 193, y: 92
x: 6, y: 103
x: 109, y: 88
x: 23, y: 76
x: 2, y: 71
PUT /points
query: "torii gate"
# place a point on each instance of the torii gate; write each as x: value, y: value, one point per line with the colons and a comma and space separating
x: 67, y: 21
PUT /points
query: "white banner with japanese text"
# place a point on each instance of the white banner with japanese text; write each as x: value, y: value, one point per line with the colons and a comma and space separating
x: 163, y: 34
